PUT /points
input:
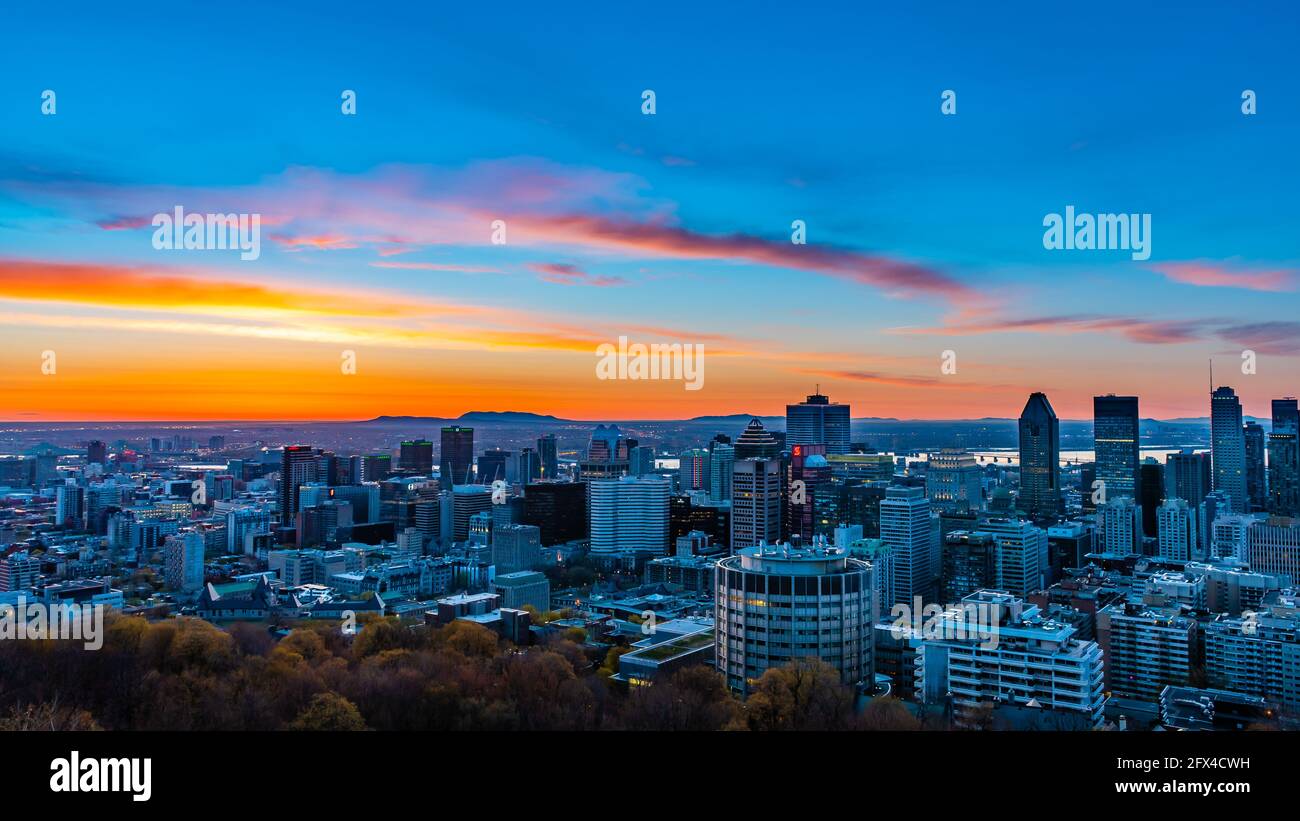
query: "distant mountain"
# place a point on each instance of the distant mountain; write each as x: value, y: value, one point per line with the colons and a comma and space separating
x: 507, y: 416
x: 732, y: 417
x: 471, y: 416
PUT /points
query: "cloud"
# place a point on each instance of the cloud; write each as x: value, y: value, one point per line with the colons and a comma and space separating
x: 1218, y: 275
x: 400, y: 207
x: 1135, y: 329
x: 436, y: 266
x: 565, y: 274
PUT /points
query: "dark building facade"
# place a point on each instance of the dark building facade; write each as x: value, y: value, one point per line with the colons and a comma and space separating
x: 1115, y: 443
x: 457, y: 455
x: 558, y: 509
x: 1040, y: 457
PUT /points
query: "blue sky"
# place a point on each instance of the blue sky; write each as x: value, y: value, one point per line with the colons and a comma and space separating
x: 827, y: 113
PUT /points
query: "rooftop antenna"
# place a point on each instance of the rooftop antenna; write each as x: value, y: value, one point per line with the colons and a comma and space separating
x: 1211, y: 376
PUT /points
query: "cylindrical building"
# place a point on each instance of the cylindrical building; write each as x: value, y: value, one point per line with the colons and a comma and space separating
x: 779, y: 604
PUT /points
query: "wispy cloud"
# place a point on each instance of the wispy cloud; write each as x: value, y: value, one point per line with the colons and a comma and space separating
x: 1219, y: 275
x: 400, y: 208
x: 565, y: 274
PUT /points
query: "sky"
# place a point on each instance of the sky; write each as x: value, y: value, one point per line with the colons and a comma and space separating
x: 924, y: 230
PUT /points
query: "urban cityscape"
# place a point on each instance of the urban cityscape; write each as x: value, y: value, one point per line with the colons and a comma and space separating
x: 492, y: 382
x: 1149, y: 586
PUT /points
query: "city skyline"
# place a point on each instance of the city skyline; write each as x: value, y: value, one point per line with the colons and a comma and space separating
x: 924, y: 231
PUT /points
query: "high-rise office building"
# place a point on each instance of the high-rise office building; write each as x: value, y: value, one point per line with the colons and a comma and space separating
x: 641, y: 460
x: 1228, y: 447
x: 808, y: 471
x: 818, y: 421
x: 374, y: 468
x: 1187, y: 476
x: 492, y: 466
x: 549, y: 456
x: 749, y: 640
x: 96, y: 452
x: 527, y: 467
x: 629, y: 516
x: 297, y: 468
x: 1040, y: 458
x: 907, y: 529
x: 756, y: 442
x: 1119, y: 526
x: 1176, y: 523
x: 722, y: 459
x: 1256, y: 478
x: 416, y: 455
x: 1284, y: 459
x: 468, y: 500
x: 694, y: 470
x: 1115, y: 441
x: 1020, y: 555
x: 516, y: 547
x: 755, y: 502
x: 953, y: 480
x: 1273, y: 545
x: 559, y: 509
x: 456, y: 456
x: 1151, y: 493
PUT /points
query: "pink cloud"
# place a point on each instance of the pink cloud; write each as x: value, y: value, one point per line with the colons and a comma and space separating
x: 1216, y: 275
x: 435, y: 266
x: 564, y: 274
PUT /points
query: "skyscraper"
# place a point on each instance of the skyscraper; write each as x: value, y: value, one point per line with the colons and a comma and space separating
x: 808, y: 472
x: 550, y: 460
x: 755, y: 502
x: 1040, y: 458
x: 1187, y: 476
x: 629, y: 516
x: 1228, y: 447
x: 953, y: 480
x: 559, y: 509
x: 416, y: 455
x: 1284, y: 459
x: 722, y: 459
x: 818, y: 421
x: 1177, y: 526
x: 456, y: 456
x: 756, y: 443
x: 906, y: 528
x: 96, y: 452
x: 1256, y: 481
x: 1115, y: 441
x: 492, y: 465
x: 297, y: 468
x: 694, y: 470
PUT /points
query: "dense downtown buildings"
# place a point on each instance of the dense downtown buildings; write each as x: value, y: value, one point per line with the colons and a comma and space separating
x: 1009, y: 587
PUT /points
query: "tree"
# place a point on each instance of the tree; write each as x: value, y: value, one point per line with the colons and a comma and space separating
x: 48, y: 717
x: 888, y: 713
x: 693, y: 699
x: 329, y: 711
x: 804, y: 695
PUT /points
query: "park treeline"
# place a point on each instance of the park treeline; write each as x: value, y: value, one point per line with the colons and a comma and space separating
x: 187, y: 674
